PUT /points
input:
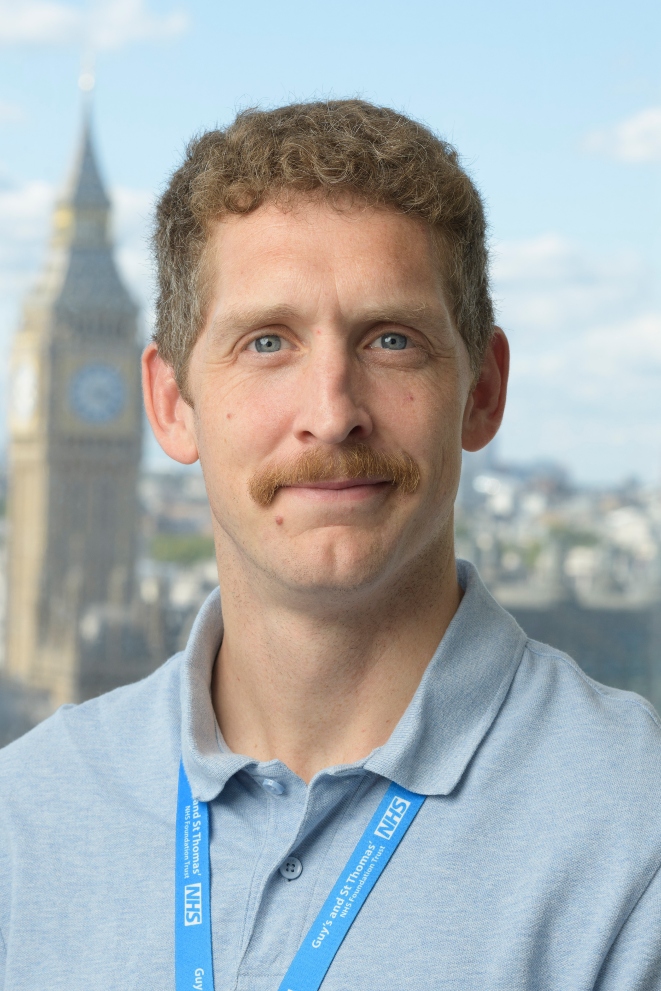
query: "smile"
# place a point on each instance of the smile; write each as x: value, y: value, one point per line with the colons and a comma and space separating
x: 343, y: 490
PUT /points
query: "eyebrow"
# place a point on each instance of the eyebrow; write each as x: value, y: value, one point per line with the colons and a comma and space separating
x: 258, y: 316
x: 400, y: 313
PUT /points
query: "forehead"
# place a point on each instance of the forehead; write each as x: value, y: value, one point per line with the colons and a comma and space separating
x: 309, y: 246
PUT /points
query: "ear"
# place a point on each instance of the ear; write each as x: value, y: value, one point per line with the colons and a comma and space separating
x: 486, y: 403
x: 170, y: 416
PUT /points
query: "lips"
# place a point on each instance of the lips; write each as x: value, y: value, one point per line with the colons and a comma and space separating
x: 347, y: 483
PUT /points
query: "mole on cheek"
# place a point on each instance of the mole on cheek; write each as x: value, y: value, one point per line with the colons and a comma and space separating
x: 278, y: 520
x: 229, y: 416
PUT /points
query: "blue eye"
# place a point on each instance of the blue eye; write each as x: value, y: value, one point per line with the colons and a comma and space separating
x: 393, y: 342
x: 271, y: 342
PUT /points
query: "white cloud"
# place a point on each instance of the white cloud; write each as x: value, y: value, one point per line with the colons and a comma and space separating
x: 38, y: 22
x: 601, y: 362
x: 547, y: 285
x: 118, y: 22
x: 24, y: 211
x: 585, y: 331
x: 636, y: 139
x: 110, y: 24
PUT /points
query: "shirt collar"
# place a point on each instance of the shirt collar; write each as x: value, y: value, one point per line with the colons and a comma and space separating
x: 452, y: 710
x: 459, y: 695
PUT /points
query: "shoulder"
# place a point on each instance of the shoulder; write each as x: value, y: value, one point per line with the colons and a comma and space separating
x: 570, y: 773
x: 78, y: 796
x: 575, y: 692
x: 605, y: 741
x: 117, y: 737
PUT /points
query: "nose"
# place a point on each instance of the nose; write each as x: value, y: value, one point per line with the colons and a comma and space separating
x: 330, y: 407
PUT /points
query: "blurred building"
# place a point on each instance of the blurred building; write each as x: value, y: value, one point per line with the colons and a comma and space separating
x: 579, y: 569
x: 72, y: 626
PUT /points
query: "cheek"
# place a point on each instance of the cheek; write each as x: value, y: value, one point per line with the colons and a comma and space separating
x: 239, y: 428
x: 425, y: 419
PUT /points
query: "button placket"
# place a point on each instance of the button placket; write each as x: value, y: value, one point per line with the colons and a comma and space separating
x: 318, y: 800
x: 283, y: 806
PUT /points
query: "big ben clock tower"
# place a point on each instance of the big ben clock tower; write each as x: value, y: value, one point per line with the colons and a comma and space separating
x: 75, y: 446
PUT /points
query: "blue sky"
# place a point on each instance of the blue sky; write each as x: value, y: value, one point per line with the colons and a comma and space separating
x: 556, y: 110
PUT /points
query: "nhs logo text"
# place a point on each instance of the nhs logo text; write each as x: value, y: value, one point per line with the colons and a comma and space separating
x: 392, y: 818
x: 192, y: 904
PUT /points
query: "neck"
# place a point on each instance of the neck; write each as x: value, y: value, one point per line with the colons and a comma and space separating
x: 318, y: 689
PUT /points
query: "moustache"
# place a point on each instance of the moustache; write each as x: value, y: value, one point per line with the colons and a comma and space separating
x: 322, y: 465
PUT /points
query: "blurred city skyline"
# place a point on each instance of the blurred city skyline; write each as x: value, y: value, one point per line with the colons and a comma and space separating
x: 557, y: 115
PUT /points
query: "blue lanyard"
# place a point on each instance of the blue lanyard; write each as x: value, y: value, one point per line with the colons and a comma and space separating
x: 192, y: 924
x: 193, y: 963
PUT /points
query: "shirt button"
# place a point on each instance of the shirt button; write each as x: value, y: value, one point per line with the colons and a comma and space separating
x: 291, y: 869
x: 272, y: 787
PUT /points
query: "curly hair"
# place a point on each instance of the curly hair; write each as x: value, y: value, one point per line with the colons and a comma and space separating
x: 334, y: 148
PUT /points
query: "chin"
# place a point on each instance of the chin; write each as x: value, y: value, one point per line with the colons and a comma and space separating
x: 345, y: 566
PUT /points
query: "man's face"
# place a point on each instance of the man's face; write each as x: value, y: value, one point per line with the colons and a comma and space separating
x: 327, y: 329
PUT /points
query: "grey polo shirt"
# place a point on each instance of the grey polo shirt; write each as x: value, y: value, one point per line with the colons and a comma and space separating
x: 533, y: 863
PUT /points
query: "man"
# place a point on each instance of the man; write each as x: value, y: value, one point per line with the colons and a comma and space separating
x: 394, y: 788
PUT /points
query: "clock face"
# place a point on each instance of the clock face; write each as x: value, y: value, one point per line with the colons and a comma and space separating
x: 97, y: 393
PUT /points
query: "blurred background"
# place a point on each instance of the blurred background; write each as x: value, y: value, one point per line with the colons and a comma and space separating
x: 105, y: 545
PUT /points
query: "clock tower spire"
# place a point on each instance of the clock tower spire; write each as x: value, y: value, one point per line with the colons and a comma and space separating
x: 75, y: 446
